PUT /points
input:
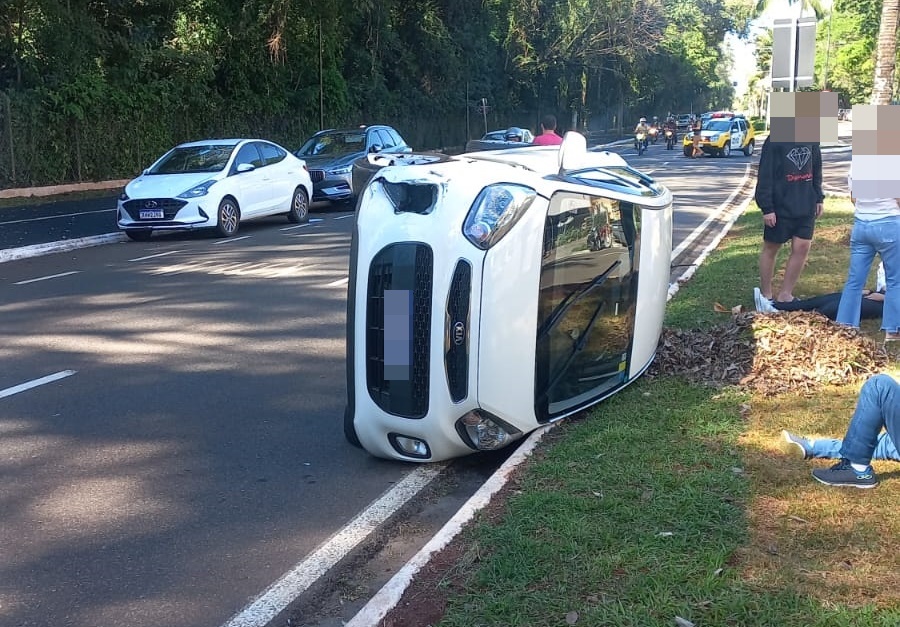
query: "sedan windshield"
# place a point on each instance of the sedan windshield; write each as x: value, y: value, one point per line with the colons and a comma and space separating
x: 191, y: 159
x: 338, y: 143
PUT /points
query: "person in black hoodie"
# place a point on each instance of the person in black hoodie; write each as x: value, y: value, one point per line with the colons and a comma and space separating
x: 789, y: 193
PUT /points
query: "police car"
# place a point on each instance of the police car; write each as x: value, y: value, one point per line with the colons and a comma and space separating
x: 722, y: 134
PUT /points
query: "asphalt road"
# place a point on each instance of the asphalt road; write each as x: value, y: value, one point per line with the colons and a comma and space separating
x: 190, y: 451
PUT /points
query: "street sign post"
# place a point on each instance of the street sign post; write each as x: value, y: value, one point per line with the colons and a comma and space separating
x: 793, y: 52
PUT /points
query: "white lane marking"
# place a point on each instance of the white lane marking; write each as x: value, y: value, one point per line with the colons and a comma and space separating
x: 296, y: 226
x: 390, y: 594
x: 62, y: 215
x: 171, y: 252
x: 349, y: 215
x: 339, y: 282
x: 231, y: 239
x: 50, y: 378
x: 294, y: 582
x: 45, y: 278
x: 648, y: 171
x: 713, y: 216
x: 317, y: 219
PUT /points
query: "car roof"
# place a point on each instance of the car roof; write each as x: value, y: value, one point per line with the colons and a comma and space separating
x: 221, y: 142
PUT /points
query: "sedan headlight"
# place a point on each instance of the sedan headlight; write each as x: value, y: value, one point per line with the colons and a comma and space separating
x: 495, y: 211
x: 342, y: 170
x: 198, y: 190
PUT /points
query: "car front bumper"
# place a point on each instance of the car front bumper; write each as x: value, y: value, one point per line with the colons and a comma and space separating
x: 166, y: 214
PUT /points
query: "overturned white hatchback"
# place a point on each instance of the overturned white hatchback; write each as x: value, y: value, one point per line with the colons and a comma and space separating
x: 492, y: 293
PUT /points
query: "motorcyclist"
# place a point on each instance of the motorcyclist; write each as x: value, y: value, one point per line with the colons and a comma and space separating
x: 641, y: 127
x: 671, y: 125
x: 514, y: 134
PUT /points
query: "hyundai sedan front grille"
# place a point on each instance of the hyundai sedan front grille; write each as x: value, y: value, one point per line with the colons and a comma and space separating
x: 168, y: 206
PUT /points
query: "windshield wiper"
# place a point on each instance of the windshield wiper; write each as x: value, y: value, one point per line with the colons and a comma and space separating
x: 564, y: 305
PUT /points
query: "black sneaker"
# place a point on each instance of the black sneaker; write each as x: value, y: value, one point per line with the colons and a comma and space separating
x: 842, y: 474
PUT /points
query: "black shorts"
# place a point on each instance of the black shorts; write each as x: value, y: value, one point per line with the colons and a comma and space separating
x: 787, y: 228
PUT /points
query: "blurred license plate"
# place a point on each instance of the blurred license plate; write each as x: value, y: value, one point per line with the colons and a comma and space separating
x: 154, y: 214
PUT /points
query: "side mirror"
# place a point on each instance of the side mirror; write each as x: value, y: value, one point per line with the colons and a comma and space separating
x: 375, y: 148
x: 245, y: 167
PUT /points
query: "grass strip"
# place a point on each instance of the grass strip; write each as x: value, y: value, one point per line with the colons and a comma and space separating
x: 673, y: 500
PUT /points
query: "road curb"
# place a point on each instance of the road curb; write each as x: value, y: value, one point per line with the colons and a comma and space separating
x: 54, y: 190
x: 390, y: 594
x: 37, y: 250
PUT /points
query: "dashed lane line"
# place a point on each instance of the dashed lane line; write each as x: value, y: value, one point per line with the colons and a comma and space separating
x: 231, y: 239
x: 171, y: 252
x: 349, y: 215
x: 50, y: 378
x: 296, y: 226
x: 46, y: 278
x: 306, y: 572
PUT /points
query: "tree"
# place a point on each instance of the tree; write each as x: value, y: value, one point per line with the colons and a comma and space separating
x: 886, y: 53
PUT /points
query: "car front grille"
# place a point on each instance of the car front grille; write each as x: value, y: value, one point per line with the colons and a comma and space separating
x: 456, y: 344
x: 406, y: 266
x: 169, y: 207
x: 317, y: 176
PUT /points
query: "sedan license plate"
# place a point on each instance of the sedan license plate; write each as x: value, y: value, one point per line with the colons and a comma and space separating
x: 152, y: 214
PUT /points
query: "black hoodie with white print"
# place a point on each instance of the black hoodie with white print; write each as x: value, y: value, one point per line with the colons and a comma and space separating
x: 790, y: 179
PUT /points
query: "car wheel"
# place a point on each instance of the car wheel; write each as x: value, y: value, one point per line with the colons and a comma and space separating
x: 688, y: 151
x: 349, y: 429
x: 299, y: 212
x: 229, y: 217
x: 748, y: 150
x: 139, y: 235
x: 726, y: 150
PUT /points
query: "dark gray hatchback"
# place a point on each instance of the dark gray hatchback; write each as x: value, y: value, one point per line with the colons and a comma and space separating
x: 330, y: 154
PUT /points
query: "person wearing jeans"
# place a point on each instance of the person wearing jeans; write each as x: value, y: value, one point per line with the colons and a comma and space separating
x: 830, y: 448
x: 876, y: 229
x: 877, y: 408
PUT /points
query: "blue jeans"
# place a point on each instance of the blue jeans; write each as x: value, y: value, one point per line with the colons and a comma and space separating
x: 866, y: 239
x: 878, y: 408
x: 827, y: 448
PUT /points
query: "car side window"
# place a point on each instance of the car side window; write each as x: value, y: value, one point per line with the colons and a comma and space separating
x: 398, y: 141
x: 271, y: 153
x: 385, y: 139
x: 249, y: 154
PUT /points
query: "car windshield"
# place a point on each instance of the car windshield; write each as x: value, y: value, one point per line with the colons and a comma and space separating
x: 191, y: 159
x: 494, y: 136
x: 717, y: 125
x: 337, y: 143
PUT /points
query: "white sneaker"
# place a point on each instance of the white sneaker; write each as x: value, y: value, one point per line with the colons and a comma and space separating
x: 763, y: 304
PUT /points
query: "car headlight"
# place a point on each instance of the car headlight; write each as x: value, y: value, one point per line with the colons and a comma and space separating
x: 342, y: 170
x: 198, y: 190
x: 495, y: 211
x: 485, y: 432
x: 713, y: 138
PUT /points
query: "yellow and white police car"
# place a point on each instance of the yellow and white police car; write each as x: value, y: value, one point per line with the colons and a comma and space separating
x: 721, y: 134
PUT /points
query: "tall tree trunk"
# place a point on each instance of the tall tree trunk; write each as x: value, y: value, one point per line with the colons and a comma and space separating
x: 886, y: 53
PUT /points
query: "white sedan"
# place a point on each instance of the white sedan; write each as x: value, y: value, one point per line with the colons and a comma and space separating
x: 214, y: 184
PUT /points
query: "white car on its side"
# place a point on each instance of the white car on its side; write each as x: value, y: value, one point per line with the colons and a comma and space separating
x: 215, y: 184
x: 495, y: 292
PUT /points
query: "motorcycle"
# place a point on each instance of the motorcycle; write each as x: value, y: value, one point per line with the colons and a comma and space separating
x: 654, y: 134
x: 640, y: 143
x: 670, y: 139
x: 600, y: 237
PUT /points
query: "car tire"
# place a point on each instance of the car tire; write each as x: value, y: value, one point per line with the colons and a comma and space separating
x: 688, y: 151
x: 748, y: 150
x: 726, y: 150
x: 229, y: 217
x: 299, y: 212
x: 139, y: 235
x: 349, y: 429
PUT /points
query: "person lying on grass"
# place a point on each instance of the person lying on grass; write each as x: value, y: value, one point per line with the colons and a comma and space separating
x: 877, y: 408
x: 871, y: 308
x: 830, y: 448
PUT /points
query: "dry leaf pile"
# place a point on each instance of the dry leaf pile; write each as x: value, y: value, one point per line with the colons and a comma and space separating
x: 770, y: 353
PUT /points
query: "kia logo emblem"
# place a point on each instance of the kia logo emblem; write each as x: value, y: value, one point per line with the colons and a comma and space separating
x: 151, y: 204
x: 459, y: 333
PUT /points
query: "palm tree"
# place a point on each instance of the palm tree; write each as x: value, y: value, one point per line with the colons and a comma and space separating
x: 886, y: 53
x: 814, y: 5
